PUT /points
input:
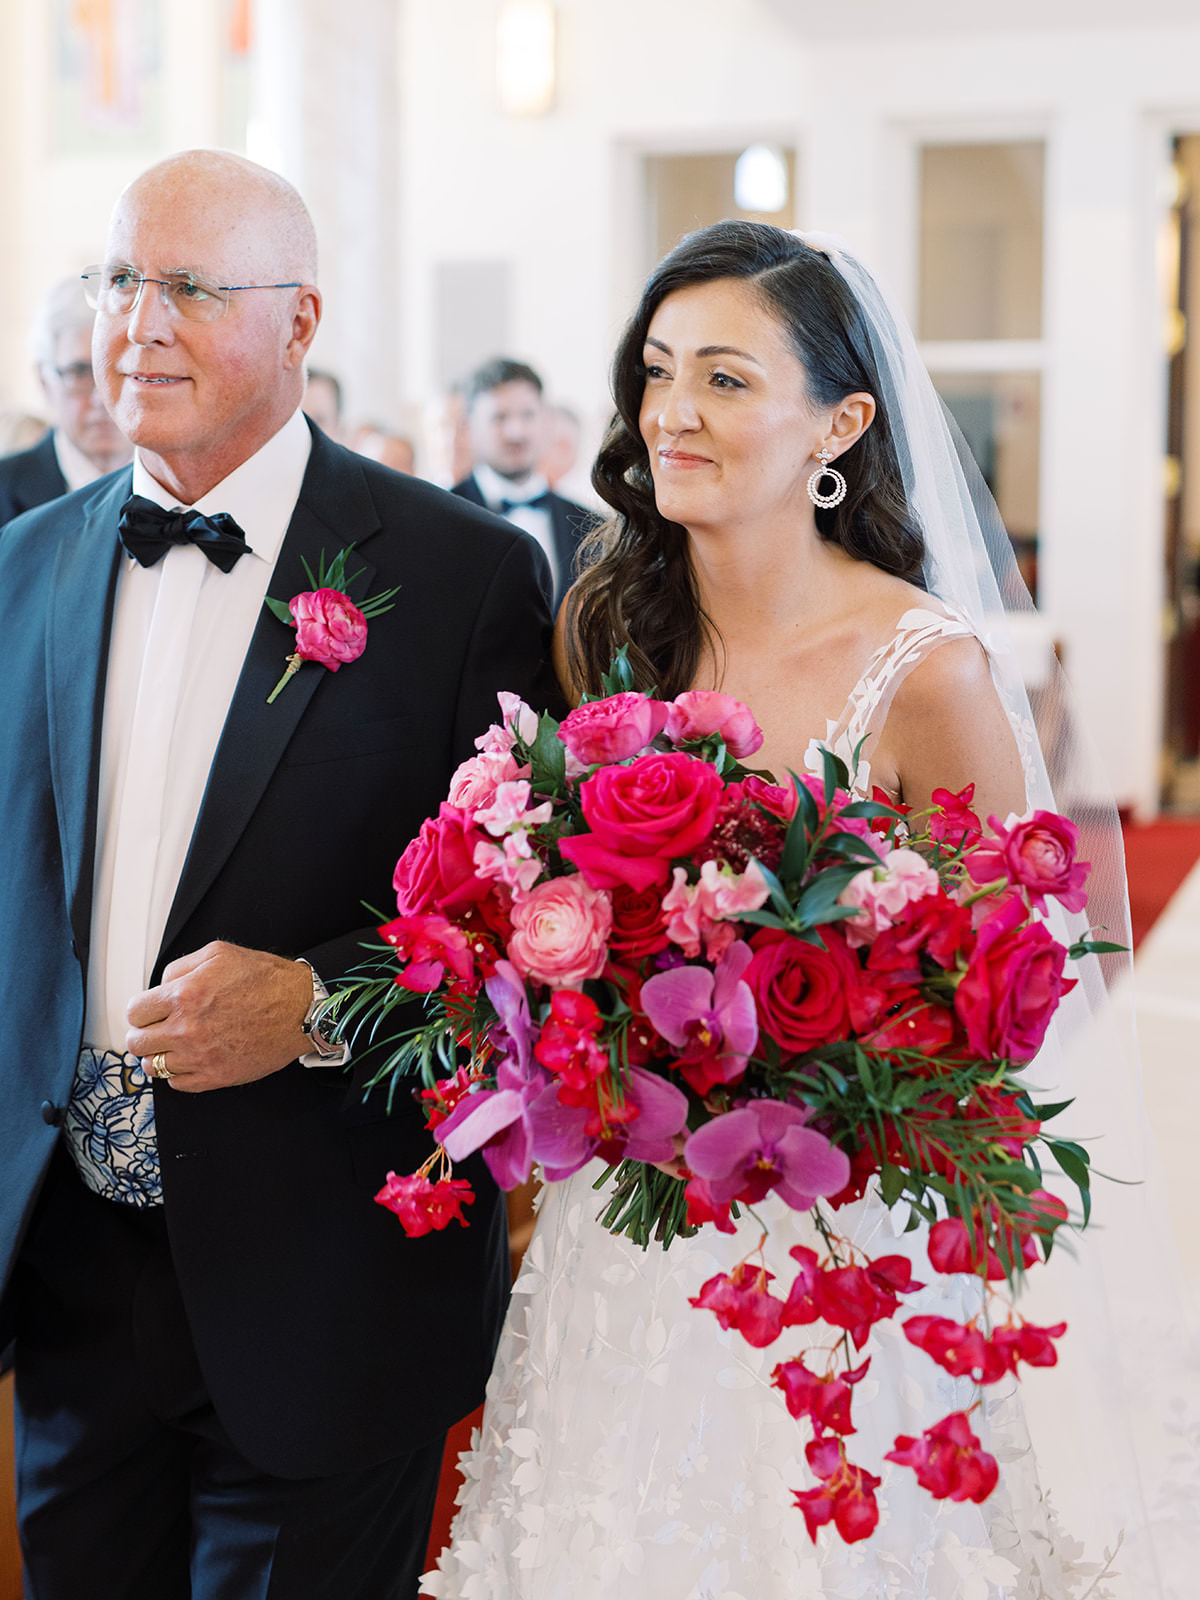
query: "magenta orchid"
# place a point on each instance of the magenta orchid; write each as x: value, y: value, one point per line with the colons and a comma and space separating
x: 765, y: 1145
x: 708, y: 1016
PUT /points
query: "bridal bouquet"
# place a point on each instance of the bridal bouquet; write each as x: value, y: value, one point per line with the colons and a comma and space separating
x: 617, y: 941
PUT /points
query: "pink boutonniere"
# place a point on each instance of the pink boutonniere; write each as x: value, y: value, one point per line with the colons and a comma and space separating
x: 330, y: 628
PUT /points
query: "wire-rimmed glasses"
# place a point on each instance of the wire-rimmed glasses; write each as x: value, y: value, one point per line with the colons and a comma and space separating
x: 116, y: 289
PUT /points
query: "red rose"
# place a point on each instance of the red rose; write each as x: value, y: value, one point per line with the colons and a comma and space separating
x: 1012, y: 986
x: 641, y: 816
x: 639, y: 923
x: 936, y: 926
x: 1037, y: 852
x: 801, y: 990
x: 437, y: 871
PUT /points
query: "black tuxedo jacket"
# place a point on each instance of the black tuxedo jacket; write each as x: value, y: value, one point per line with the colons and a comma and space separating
x: 328, y: 1339
x: 570, y: 522
x: 30, y: 478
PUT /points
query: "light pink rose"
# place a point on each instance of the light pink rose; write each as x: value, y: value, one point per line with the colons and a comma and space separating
x: 881, y: 894
x: 516, y: 719
x: 614, y: 729
x: 703, y: 913
x: 560, y: 932
x: 475, y: 781
x: 329, y: 627
x: 699, y: 713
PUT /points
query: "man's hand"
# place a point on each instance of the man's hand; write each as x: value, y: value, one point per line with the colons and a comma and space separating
x: 222, y: 1016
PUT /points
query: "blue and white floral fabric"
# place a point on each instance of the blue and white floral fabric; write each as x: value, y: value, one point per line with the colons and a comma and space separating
x: 110, y: 1128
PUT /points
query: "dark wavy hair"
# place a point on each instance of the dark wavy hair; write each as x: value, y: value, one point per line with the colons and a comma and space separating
x: 637, y: 586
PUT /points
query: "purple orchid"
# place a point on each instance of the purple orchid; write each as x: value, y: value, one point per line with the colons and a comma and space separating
x: 708, y: 1015
x: 498, y: 1120
x: 641, y: 1128
x: 764, y: 1145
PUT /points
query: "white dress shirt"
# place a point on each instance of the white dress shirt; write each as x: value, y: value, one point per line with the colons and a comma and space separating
x: 180, y: 632
x: 535, y: 520
x: 75, y: 467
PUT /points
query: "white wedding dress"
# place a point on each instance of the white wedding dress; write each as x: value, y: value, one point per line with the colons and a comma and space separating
x: 631, y: 1449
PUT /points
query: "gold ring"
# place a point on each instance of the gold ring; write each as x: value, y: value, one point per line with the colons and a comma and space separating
x: 158, y: 1066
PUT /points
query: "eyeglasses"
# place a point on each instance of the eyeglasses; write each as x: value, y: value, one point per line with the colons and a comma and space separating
x: 76, y: 376
x: 116, y: 291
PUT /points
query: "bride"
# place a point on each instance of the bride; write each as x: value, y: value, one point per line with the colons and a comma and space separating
x: 781, y: 512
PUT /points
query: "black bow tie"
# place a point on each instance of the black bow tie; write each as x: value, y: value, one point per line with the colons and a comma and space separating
x: 539, y: 502
x: 148, y: 532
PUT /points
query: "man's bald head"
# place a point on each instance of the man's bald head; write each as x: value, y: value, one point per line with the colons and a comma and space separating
x: 263, y: 204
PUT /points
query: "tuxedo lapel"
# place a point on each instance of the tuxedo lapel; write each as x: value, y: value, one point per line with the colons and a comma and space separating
x: 83, y: 585
x: 334, y: 510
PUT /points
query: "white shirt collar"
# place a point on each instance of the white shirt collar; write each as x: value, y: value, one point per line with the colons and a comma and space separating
x: 494, y: 488
x: 75, y: 467
x: 260, y: 495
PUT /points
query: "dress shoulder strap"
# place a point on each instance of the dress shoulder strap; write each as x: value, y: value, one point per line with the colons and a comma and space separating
x: 918, y: 633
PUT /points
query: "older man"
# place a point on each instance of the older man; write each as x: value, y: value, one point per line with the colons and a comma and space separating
x: 83, y: 444
x: 234, y: 1373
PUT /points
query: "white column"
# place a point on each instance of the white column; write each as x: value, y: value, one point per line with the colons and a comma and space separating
x: 325, y: 114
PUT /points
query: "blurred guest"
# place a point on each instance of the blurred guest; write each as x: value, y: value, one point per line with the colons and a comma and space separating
x: 449, y: 438
x: 323, y: 402
x: 389, y: 449
x: 83, y: 444
x: 19, y: 430
x: 506, y: 417
x: 560, y: 458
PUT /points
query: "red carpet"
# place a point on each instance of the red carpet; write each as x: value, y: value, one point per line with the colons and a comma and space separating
x: 1159, y: 857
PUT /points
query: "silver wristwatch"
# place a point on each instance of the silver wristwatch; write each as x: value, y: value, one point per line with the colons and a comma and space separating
x: 326, y: 1050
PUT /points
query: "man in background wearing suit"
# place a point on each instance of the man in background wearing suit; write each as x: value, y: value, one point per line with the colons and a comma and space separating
x: 234, y: 1372
x: 506, y: 418
x: 83, y: 444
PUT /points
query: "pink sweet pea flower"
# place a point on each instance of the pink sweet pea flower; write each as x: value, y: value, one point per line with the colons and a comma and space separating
x: 701, y: 713
x: 509, y: 808
x: 709, y: 1017
x: 747, y: 1152
x: 512, y: 862
x: 601, y: 732
x: 701, y: 913
x: 881, y: 893
x: 517, y: 720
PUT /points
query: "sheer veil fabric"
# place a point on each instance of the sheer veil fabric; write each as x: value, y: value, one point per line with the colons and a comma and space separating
x: 1116, y: 1427
x: 630, y: 1447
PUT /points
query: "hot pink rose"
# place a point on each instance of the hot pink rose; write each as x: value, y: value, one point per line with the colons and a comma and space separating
x: 699, y: 713
x: 1012, y: 986
x: 642, y: 815
x: 612, y: 729
x: 560, y: 932
x: 1037, y: 852
x: 329, y: 627
x: 882, y: 892
x: 437, y: 871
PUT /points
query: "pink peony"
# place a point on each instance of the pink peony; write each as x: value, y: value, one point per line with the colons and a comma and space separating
x: 1038, y: 852
x: 604, y: 731
x: 329, y: 627
x: 882, y: 893
x: 700, y: 713
x: 560, y: 932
